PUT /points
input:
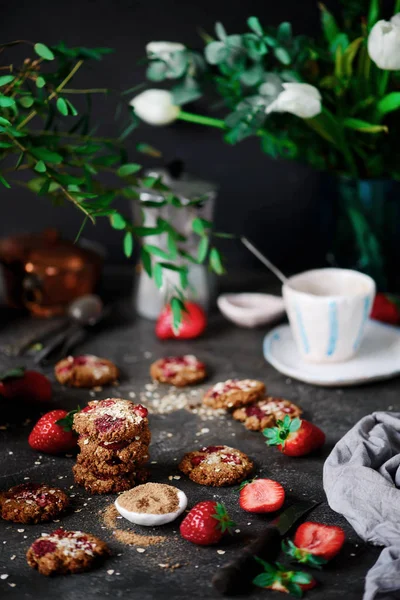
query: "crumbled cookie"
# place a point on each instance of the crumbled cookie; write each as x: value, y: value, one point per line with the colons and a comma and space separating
x: 178, y: 370
x: 105, y: 484
x: 32, y: 503
x: 126, y: 452
x: 111, y: 420
x: 85, y: 371
x: 63, y: 552
x: 234, y: 393
x: 265, y: 413
x: 216, y: 465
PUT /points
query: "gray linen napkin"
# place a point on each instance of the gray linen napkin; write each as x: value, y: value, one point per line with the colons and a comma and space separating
x: 361, y: 481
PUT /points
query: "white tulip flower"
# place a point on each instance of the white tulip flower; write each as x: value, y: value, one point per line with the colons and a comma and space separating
x: 384, y: 44
x: 163, y: 50
x: 300, y: 99
x: 155, y: 107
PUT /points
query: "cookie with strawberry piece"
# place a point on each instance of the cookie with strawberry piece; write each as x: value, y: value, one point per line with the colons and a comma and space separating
x: 216, y: 466
x: 32, y: 503
x: 64, y: 552
x: 178, y: 370
x: 112, y: 420
x: 234, y: 393
x: 126, y: 451
x: 295, y: 437
x: 315, y: 544
x: 265, y: 413
x: 206, y: 523
x: 96, y: 483
x: 277, y: 577
x: 86, y: 371
x: 53, y: 433
x: 113, y: 466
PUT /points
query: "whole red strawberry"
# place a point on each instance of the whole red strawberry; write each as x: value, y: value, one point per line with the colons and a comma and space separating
x: 53, y: 433
x: 18, y: 384
x: 315, y: 543
x: 386, y: 309
x: 295, y: 437
x: 261, y: 496
x: 277, y: 577
x: 194, y: 322
x: 206, y: 523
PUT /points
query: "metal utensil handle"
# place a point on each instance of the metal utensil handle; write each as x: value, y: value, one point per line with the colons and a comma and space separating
x: 264, y: 260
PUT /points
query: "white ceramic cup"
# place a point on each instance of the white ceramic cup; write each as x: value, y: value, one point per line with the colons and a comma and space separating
x: 327, y: 310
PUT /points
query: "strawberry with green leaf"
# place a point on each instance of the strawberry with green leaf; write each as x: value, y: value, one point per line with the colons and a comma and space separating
x: 315, y: 543
x: 277, y: 577
x: 24, y: 385
x: 206, y: 523
x: 53, y: 433
x: 295, y: 437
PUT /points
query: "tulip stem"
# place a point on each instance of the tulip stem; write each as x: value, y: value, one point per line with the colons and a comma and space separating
x: 201, y: 120
x: 383, y: 82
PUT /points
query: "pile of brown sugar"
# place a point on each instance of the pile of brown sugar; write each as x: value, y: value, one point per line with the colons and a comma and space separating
x: 128, y: 536
x: 150, y: 498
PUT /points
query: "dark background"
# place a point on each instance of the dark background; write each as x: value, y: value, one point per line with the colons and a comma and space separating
x: 280, y: 205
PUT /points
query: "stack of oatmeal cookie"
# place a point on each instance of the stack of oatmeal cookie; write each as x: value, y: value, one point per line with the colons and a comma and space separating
x: 114, y: 438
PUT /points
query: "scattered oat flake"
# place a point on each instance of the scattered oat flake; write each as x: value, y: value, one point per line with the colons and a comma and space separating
x: 12, y: 584
x: 237, y: 530
x: 20, y: 530
x: 4, y: 576
x: 170, y: 435
x: 132, y: 395
x: 13, y: 557
x: 110, y: 571
x: 148, y: 354
x: 177, y: 476
x: 220, y: 551
x: 170, y: 477
x: 10, y: 453
x: 140, y: 550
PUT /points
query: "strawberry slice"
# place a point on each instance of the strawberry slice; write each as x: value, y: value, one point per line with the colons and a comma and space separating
x: 315, y: 543
x: 261, y: 496
x: 295, y: 437
x: 277, y: 577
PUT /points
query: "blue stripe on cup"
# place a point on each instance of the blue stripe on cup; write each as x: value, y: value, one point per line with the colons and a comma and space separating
x: 365, y: 315
x: 333, y: 329
x: 302, y: 331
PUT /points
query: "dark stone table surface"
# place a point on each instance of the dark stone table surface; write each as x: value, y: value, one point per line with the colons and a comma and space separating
x: 229, y: 351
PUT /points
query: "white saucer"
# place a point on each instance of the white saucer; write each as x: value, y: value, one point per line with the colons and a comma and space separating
x: 378, y: 358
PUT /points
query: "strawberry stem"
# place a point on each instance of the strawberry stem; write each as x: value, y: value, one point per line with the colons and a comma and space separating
x: 66, y: 422
x: 225, y: 524
x: 276, y: 436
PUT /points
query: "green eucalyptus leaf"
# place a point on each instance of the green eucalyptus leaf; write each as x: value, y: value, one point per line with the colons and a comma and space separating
x: 220, y: 31
x: 62, y: 106
x: 215, y: 52
x: 43, y: 51
x: 282, y: 55
x: 284, y: 32
x: 255, y: 25
x: 156, y: 71
x: 128, y: 244
x: 5, y: 79
x: 128, y: 169
x: 40, y: 167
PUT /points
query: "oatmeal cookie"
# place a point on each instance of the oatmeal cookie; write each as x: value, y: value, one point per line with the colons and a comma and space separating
x: 216, y: 465
x: 112, y: 467
x: 127, y: 451
x: 234, y: 393
x: 85, y: 371
x: 32, y: 503
x: 178, y: 370
x: 63, y: 552
x: 105, y: 484
x: 265, y: 413
x: 111, y: 420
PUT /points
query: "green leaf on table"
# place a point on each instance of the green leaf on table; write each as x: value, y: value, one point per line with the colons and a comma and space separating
x: 117, y: 221
x: 156, y: 251
x: 388, y: 103
x: 254, y: 24
x: 128, y: 169
x: 43, y: 51
x: 329, y: 25
x: 62, y: 106
x: 4, y: 182
x: 26, y: 101
x: 47, y: 155
x: 158, y: 275
x: 5, y: 79
x: 6, y: 101
x: 216, y: 262
x: 40, y: 82
x: 40, y: 167
x: 128, y: 244
x: 202, y: 249
x: 364, y: 126
x: 146, y: 262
